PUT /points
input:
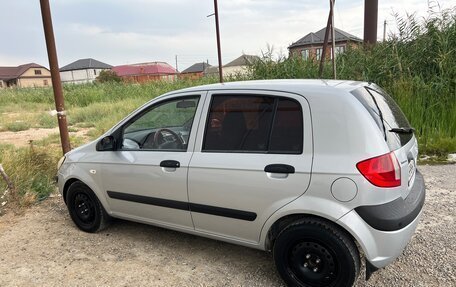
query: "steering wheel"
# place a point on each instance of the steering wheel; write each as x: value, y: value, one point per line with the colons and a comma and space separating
x: 159, y: 138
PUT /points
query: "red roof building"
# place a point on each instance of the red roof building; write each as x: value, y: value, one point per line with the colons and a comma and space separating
x: 145, y: 72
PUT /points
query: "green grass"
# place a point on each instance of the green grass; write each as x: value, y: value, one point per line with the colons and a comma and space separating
x: 17, y: 126
x: 90, y: 105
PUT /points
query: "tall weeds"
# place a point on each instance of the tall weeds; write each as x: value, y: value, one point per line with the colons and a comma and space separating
x: 32, y: 171
x: 417, y: 66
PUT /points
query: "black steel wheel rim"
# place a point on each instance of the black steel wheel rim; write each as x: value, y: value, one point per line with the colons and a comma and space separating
x: 313, y: 264
x: 84, y: 208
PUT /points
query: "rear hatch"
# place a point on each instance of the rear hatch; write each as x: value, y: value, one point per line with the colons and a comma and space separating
x: 396, y: 129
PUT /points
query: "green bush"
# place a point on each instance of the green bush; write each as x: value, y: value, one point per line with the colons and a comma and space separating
x: 18, y: 126
x: 107, y: 76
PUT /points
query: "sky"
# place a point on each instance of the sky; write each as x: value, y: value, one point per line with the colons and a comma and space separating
x: 121, y: 32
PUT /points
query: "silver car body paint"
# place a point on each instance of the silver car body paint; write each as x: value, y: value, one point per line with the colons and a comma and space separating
x: 338, y: 133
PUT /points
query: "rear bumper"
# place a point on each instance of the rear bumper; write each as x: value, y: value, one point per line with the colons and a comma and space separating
x: 381, y: 247
x: 398, y: 213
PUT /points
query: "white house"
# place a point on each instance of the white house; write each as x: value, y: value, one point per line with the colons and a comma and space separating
x: 82, y: 71
x: 237, y: 67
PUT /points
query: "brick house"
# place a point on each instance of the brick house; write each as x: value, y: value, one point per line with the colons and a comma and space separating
x: 25, y: 76
x: 146, y: 72
x: 195, y: 71
x: 311, y: 45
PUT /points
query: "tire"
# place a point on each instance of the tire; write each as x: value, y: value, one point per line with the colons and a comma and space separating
x: 85, y: 209
x: 313, y: 252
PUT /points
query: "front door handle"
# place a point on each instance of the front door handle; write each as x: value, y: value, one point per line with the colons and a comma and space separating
x: 170, y: 163
x: 279, y: 168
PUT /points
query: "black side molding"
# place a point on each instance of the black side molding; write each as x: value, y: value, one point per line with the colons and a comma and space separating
x: 149, y: 200
x: 182, y: 205
x: 398, y: 213
x: 279, y: 168
x: 225, y: 212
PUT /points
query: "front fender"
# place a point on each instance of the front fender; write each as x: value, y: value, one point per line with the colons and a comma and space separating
x: 88, y: 173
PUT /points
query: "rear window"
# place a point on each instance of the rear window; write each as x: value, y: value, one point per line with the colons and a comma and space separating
x: 379, y: 104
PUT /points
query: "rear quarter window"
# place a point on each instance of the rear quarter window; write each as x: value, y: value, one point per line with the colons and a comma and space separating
x: 379, y: 104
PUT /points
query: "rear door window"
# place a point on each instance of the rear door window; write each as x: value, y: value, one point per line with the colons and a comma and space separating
x: 254, y: 123
x: 287, y: 130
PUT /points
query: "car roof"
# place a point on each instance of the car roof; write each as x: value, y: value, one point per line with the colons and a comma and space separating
x: 293, y: 86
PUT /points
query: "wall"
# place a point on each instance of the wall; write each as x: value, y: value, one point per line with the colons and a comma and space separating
x: 34, y: 82
x: 30, y: 80
x: 148, y: 78
x: 80, y: 76
x: 31, y: 73
x: 296, y: 51
x: 234, y: 71
x: 191, y: 76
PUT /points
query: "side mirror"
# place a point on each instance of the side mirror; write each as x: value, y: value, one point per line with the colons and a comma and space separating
x: 106, y: 144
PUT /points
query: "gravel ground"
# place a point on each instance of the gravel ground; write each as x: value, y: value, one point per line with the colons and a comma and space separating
x: 43, y: 248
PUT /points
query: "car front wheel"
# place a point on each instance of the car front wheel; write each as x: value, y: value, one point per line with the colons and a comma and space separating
x: 312, y: 252
x: 85, y: 209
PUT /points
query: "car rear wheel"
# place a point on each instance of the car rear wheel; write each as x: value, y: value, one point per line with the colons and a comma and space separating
x: 85, y: 209
x: 312, y: 252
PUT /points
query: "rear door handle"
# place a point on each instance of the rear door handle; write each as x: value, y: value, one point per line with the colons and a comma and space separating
x: 279, y: 168
x: 170, y: 163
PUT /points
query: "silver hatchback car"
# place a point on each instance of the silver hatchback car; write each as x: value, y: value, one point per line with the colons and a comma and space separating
x: 315, y: 171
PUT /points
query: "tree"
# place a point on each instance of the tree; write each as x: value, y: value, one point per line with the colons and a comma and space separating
x: 108, y: 76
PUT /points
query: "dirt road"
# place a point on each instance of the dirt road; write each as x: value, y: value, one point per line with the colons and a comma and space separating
x: 44, y: 248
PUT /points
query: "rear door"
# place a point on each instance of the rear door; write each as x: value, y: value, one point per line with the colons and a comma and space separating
x: 253, y: 155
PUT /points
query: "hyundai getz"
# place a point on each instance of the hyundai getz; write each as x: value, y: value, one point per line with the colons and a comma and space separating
x: 315, y: 171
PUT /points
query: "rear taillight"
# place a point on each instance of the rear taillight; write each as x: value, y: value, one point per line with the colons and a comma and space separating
x: 381, y: 171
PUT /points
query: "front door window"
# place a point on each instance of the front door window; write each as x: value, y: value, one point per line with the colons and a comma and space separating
x: 165, y: 126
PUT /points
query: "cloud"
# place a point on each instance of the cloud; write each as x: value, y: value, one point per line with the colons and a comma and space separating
x: 119, y: 32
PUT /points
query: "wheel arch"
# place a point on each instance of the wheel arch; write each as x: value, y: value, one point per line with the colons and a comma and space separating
x: 90, y: 185
x: 288, y: 219
x: 66, y: 186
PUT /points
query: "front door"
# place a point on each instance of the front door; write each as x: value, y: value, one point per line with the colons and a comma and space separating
x: 146, y: 180
x: 252, y: 156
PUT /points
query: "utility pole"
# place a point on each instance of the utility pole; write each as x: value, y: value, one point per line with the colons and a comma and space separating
x: 329, y: 29
x: 217, y: 31
x: 333, y: 36
x: 325, y: 43
x: 176, y: 65
x: 384, y: 31
x: 55, y: 74
x: 370, y: 21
